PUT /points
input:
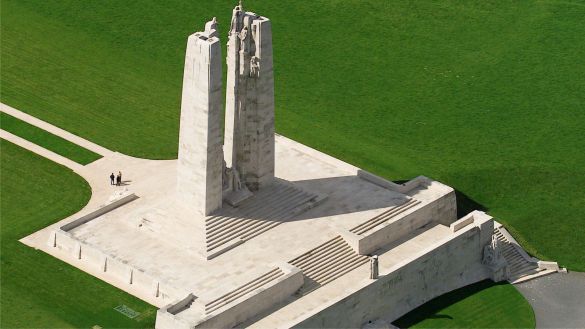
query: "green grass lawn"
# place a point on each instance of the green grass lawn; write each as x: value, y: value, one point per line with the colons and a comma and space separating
x: 39, y: 291
x: 47, y: 140
x: 485, y: 96
x: 481, y: 305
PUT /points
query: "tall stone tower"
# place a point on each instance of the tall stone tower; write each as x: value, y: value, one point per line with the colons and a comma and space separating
x: 249, y: 121
x: 200, y: 141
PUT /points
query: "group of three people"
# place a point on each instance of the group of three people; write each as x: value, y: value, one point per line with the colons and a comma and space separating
x: 116, y: 180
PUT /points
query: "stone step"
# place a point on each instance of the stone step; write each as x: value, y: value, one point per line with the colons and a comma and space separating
x: 345, y: 271
x: 260, y: 230
x: 327, y: 262
x: 280, y: 217
x: 383, y: 215
x: 516, y: 276
x: 331, y: 266
x: 311, y: 252
x: 320, y: 255
x: 340, y: 270
x: 228, y: 226
x: 386, y: 218
x: 252, y: 208
x: 531, y: 276
x: 246, y: 205
x: 271, y: 208
x: 514, y: 258
x: 334, y: 252
x: 242, y: 290
x: 373, y: 222
x: 520, y: 267
x: 319, y: 267
x: 249, y: 227
x: 243, y: 287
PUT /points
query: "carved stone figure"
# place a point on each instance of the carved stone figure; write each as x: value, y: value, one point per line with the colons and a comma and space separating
x: 491, y: 252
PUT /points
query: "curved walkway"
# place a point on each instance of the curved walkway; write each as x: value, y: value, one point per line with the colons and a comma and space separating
x: 558, y: 300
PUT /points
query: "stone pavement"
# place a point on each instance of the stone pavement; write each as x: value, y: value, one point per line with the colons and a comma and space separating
x: 558, y: 300
x: 55, y: 130
x: 40, y: 151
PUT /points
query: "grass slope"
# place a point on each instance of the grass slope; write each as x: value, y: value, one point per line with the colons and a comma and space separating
x: 47, y: 140
x: 485, y: 96
x: 39, y: 291
x: 481, y: 305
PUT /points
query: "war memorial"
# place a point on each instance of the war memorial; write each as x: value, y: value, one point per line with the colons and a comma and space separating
x: 249, y: 228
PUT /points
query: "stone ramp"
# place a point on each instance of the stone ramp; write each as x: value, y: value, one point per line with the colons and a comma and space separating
x: 522, y: 266
x: 326, y: 263
x: 267, y: 209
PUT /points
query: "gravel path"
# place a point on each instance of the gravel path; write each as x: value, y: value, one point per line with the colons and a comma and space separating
x: 558, y: 299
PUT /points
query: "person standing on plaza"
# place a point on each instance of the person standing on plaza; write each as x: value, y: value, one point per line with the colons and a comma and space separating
x: 119, y: 179
x: 112, y: 179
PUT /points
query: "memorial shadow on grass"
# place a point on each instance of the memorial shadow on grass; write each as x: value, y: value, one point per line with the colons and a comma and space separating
x: 466, y: 308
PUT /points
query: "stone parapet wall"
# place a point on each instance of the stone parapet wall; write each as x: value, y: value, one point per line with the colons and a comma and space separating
x: 411, y: 283
x: 439, y: 211
x: 259, y: 300
x: 115, y: 269
x: 101, y: 211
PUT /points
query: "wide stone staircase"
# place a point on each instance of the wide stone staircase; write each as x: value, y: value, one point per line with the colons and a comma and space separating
x: 522, y: 266
x: 326, y: 263
x: 268, y: 208
x: 242, y: 290
x: 384, y: 217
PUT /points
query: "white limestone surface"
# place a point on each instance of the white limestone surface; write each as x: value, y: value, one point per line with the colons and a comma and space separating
x: 118, y: 234
x: 200, y: 164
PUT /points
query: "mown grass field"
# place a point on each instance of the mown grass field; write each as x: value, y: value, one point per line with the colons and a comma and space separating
x: 485, y: 96
x: 47, y: 140
x: 39, y: 291
x: 481, y: 305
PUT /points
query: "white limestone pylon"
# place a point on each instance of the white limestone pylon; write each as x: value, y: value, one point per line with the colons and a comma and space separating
x: 249, y: 122
x: 199, y: 174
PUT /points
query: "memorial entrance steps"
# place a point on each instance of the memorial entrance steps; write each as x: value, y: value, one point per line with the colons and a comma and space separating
x: 384, y: 217
x: 522, y: 266
x: 233, y: 295
x: 327, y: 262
x: 268, y: 208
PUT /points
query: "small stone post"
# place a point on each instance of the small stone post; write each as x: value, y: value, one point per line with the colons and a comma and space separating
x: 374, y: 267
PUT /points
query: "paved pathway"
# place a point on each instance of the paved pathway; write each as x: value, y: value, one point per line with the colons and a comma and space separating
x: 558, y: 300
x: 40, y: 151
x: 55, y: 130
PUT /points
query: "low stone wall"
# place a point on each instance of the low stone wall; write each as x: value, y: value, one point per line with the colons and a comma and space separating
x: 461, y: 223
x: 241, y: 309
x: 430, y: 273
x: 400, y: 188
x: 441, y: 210
x: 95, y: 214
x: 114, y: 268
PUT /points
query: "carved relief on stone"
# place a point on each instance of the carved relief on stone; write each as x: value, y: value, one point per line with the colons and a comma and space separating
x: 254, y: 67
x: 491, y: 252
